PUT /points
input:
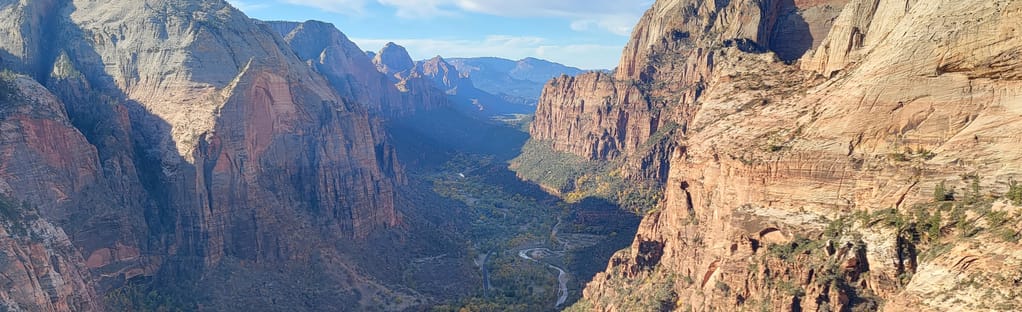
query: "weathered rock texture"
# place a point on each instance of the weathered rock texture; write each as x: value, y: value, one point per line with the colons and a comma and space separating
x: 768, y: 162
x: 195, y: 137
x: 42, y: 159
x: 42, y: 270
x: 353, y: 73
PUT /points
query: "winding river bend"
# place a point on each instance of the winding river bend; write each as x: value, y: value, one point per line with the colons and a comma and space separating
x: 562, y: 276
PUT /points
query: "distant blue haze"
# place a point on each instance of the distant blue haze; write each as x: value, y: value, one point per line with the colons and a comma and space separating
x: 588, y: 34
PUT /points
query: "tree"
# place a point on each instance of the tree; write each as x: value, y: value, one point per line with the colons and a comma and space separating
x: 941, y: 193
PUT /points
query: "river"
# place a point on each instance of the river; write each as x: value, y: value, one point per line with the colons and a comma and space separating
x: 562, y: 276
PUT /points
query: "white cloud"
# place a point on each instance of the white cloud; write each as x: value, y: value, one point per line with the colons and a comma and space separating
x: 590, y: 56
x: 350, y: 7
x: 247, y: 6
x: 419, y: 8
x: 615, y: 16
x: 582, y: 25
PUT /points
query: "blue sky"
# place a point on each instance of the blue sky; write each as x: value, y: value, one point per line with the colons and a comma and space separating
x: 589, y: 34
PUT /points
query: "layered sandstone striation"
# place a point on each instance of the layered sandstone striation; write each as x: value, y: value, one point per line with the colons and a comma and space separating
x: 806, y: 183
x: 42, y: 270
x: 200, y: 143
x: 43, y: 159
x: 665, y: 68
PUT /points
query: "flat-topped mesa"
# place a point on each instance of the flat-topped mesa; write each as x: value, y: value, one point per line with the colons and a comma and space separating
x: 519, y: 81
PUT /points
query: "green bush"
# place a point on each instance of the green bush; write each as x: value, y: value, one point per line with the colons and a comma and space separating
x: 930, y: 224
x: 941, y: 193
x: 1014, y: 192
x: 791, y: 289
x: 1008, y: 235
x: 8, y: 91
x: 15, y: 216
x: 800, y: 245
x: 723, y: 287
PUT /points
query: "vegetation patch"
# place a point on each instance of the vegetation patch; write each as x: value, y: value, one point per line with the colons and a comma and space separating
x: 17, y: 217
x: 575, y: 178
x: 139, y: 295
x: 8, y: 90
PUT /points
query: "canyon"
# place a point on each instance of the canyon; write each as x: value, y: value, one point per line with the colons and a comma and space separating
x: 182, y: 143
x: 154, y: 152
x: 767, y: 155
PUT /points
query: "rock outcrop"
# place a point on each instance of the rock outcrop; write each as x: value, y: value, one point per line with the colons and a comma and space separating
x: 42, y: 270
x: 393, y: 59
x: 443, y: 75
x: 353, y: 73
x: 425, y: 78
x: 43, y: 159
x: 807, y: 181
x: 200, y: 143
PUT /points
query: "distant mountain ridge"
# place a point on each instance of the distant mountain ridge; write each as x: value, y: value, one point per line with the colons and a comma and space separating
x: 394, y: 62
x: 518, y: 81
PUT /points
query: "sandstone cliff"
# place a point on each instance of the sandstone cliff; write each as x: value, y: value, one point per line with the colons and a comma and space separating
x: 872, y: 171
x: 42, y: 159
x: 199, y: 143
x: 353, y: 73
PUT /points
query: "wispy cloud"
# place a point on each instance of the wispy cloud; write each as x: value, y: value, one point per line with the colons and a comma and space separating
x: 592, y: 56
x: 420, y: 8
x: 247, y: 6
x: 350, y: 7
x: 615, y: 16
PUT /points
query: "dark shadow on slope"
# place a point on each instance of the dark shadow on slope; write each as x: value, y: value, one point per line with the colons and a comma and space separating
x: 429, y: 140
x: 596, y: 216
x: 791, y: 35
x: 132, y: 202
x: 146, y: 198
x: 431, y: 137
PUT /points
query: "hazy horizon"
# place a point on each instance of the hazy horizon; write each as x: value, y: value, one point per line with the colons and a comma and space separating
x: 582, y: 34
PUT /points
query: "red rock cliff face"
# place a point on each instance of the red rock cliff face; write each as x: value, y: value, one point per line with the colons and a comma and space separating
x: 666, y: 67
x: 42, y: 270
x: 251, y: 142
x: 43, y: 159
x: 773, y: 161
x: 204, y: 140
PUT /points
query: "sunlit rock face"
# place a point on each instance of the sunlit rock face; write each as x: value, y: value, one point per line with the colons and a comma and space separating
x: 170, y: 137
x: 794, y: 126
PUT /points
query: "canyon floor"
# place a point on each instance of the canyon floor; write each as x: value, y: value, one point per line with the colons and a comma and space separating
x: 535, y: 250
